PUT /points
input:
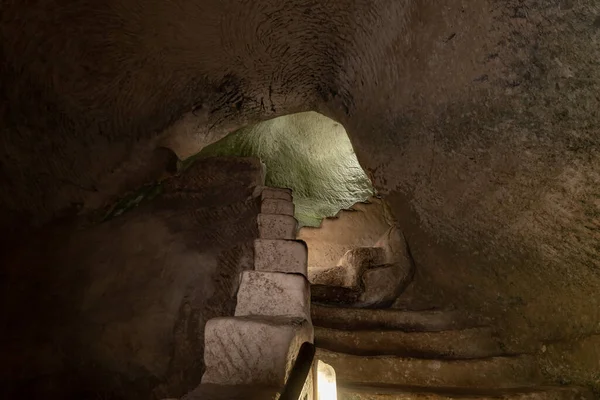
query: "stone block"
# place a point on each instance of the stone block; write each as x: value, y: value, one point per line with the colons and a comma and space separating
x: 276, y: 193
x: 253, y: 350
x: 356, y: 261
x: 382, y: 285
x: 273, y: 294
x: 271, y: 226
x: 361, y: 279
x: 277, y: 206
x: 273, y: 255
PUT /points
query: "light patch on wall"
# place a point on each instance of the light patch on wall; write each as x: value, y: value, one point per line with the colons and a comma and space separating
x: 326, y: 382
x: 307, y: 152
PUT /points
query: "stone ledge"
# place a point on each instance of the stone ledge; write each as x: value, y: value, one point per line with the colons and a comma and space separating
x: 451, y: 344
x: 497, y: 372
x: 386, y: 319
x: 387, y: 392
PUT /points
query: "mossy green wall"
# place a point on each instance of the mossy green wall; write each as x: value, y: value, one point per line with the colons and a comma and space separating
x: 307, y: 152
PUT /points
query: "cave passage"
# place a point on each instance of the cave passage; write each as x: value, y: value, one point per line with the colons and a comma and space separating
x: 306, y: 152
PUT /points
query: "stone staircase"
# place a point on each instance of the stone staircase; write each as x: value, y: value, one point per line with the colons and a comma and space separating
x: 250, y: 355
x: 378, y: 352
x: 434, y: 355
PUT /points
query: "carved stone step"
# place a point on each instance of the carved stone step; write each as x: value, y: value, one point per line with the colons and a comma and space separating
x: 252, y: 350
x: 413, y: 393
x: 454, y: 344
x: 276, y: 193
x: 495, y: 372
x: 280, y: 256
x: 277, y: 206
x: 337, y: 295
x: 385, y: 319
x: 272, y: 226
x: 273, y: 294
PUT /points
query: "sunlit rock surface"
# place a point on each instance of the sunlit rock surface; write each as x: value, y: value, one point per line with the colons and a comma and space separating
x: 308, y: 153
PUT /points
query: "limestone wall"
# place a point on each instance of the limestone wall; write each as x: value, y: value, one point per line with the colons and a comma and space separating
x: 118, y: 308
x: 362, y: 225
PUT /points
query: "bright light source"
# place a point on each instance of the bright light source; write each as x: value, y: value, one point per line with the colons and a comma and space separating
x: 326, y: 384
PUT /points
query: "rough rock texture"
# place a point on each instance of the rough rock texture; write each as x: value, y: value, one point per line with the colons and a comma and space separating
x: 574, y: 361
x: 383, y: 284
x: 478, y: 121
x: 277, y: 206
x: 362, y: 225
x: 273, y: 226
x: 417, y: 362
x: 356, y: 261
x: 234, y: 356
x: 273, y: 294
x: 118, y: 309
x: 280, y: 256
x: 386, y: 319
x: 263, y: 342
x: 455, y: 344
x: 363, y: 276
x: 408, y: 393
x: 495, y: 372
x: 232, y: 392
x: 349, y: 269
x: 276, y: 193
x: 307, y: 152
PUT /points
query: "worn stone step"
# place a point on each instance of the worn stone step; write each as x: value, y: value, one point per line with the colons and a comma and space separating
x: 281, y: 256
x: 498, y: 372
x: 453, y: 344
x: 386, y: 319
x: 232, y: 392
x: 273, y: 294
x: 277, y: 206
x: 415, y: 393
x: 336, y: 295
x: 276, y: 193
x: 272, y: 226
x: 252, y: 350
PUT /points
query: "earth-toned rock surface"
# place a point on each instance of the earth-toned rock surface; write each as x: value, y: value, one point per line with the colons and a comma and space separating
x: 476, y: 121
